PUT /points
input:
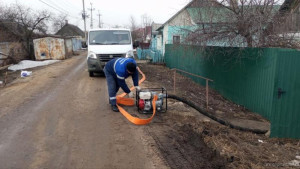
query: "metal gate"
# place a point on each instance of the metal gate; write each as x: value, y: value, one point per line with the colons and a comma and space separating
x: 286, y: 104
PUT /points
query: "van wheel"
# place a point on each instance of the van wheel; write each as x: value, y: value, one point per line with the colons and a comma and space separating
x: 91, y: 74
x: 102, y: 74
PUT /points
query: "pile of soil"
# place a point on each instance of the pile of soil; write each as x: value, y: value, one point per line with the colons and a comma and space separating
x: 187, y: 142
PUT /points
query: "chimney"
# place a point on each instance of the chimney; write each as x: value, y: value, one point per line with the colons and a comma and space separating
x: 66, y: 22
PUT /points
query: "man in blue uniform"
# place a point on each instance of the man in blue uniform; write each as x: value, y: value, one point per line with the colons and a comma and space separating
x: 116, y: 71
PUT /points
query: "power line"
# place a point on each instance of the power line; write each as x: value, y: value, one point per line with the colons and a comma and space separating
x: 54, y: 4
x: 65, y: 4
x: 58, y: 9
x: 70, y: 3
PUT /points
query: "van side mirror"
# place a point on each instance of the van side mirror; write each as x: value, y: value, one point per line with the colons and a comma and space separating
x: 84, y: 44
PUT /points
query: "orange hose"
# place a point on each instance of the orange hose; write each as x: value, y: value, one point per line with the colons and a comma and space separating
x: 130, y: 102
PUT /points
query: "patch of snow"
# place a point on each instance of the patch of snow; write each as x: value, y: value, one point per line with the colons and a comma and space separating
x: 26, y: 64
x: 294, y: 163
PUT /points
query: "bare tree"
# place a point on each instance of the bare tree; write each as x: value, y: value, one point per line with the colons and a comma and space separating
x: 133, y: 24
x: 242, y: 23
x: 25, y: 23
x: 135, y: 33
x: 58, y: 22
x: 146, y: 20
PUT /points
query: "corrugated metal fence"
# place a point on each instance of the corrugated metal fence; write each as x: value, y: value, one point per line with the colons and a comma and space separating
x: 251, y: 77
x: 69, y: 47
x: 76, y: 44
x: 15, y: 50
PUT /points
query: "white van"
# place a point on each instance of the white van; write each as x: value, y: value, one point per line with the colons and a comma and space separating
x: 106, y: 44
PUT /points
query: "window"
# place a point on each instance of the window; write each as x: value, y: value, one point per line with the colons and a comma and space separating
x: 109, y: 37
x: 176, y: 39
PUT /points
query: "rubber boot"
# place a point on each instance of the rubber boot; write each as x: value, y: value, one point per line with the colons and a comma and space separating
x: 115, y: 108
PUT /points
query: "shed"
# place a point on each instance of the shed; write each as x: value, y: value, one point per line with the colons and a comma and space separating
x: 49, y: 48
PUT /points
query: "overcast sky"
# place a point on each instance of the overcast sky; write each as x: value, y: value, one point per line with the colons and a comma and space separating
x: 113, y: 12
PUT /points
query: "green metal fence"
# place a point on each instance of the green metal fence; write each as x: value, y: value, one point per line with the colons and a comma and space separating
x: 250, y: 77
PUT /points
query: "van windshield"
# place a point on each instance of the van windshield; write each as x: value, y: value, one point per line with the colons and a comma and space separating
x: 109, y: 37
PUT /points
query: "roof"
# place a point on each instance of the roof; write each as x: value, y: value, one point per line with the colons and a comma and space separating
x: 186, y: 6
x: 194, y: 9
x: 208, y: 14
x: 219, y: 14
x: 70, y: 30
x: 155, y: 26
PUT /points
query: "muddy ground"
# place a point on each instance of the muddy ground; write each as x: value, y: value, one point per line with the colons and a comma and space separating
x: 191, y: 136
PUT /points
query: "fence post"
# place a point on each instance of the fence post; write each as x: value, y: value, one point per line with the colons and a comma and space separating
x: 206, y: 86
x: 174, y: 81
x: 5, y: 80
x: 207, y: 94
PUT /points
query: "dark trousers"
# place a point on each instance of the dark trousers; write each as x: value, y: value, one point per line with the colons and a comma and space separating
x: 112, y: 86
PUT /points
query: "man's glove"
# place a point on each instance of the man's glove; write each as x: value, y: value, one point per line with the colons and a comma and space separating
x: 130, y: 95
x: 137, y: 88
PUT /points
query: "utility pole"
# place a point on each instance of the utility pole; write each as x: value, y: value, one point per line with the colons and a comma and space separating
x: 84, y: 15
x: 99, y: 15
x: 92, y: 9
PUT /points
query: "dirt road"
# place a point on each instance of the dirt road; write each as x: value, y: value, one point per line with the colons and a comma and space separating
x: 60, y: 118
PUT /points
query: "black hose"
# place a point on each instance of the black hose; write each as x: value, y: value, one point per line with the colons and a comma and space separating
x: 219, y: 120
